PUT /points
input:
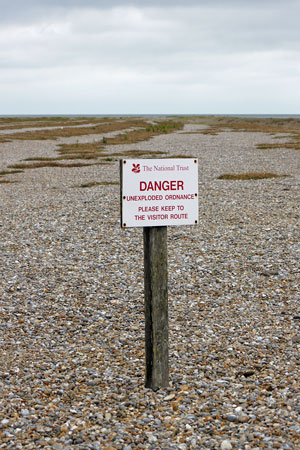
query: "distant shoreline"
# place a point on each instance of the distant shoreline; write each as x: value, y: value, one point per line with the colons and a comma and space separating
x: 254, y: 116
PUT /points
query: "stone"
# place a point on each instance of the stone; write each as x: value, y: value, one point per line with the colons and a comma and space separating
x: 152, y: 439
x: 169, y: 397
x: 226, y: 445
x: 232, y: 418
x: 72, y: 303
x: 243, y: 418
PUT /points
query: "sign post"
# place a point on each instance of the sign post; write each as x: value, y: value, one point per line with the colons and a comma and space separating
x: 156, y: 307
x: 156, y: 193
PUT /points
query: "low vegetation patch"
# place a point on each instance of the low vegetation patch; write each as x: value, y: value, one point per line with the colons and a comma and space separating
x: 61, y: 158
x: 96, y: 149
x: 41, y: 164
x: 97, y: 183
x: 294, y: 145
x: 249, y: 176
x: 50, y: 122
x: 219, y: 124
x: 9, y: 172
x: 164, y: 127
x: 180, y: 156
x: 213, y: 131
x: 104, y: 156
x: 92, y: 150
x: 136, y: 153
x: 68, y: 130
x: 272, y: 126
x: 139, y: 135
x: 264, y: 125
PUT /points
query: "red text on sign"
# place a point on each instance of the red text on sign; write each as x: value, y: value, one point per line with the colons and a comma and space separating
x: 173, y: 185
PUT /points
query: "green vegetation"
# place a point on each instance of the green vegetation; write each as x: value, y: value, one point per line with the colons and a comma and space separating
x: 164, y: 127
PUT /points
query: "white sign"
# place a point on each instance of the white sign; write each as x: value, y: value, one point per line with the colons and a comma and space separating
x: 159, y: 192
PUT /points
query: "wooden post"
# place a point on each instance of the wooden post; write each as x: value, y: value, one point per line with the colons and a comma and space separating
x: 156, y: 307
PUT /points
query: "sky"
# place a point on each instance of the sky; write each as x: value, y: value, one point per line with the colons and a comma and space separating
x: 149, y: 57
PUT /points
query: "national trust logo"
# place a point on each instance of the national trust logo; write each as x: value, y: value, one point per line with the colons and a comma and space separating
x: 136, y: 168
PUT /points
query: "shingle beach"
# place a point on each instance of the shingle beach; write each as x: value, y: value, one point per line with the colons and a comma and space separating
x: 72, y: 306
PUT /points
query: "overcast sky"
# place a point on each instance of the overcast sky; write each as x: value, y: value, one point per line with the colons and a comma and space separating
x: 135, y: 57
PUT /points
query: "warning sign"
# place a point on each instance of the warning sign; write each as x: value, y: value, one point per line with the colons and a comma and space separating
x: 159, y: 192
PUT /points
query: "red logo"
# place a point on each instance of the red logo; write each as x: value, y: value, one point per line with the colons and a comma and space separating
x: 136, y: 168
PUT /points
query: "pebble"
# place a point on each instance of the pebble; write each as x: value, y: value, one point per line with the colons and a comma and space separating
x: 72, y: 307
x: 169, y: 397
x: 243, y: 418
x: 152, y: 439
x: 232, y: 418
x: 226, y: 445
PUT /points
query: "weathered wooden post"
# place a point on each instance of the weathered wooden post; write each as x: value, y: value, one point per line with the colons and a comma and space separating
x: 156, y: 193
x: 156, y: 307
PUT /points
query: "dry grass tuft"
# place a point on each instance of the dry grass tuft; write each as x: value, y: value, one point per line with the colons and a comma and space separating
x: 131, y: 137
x: 264, y: 125
x: 135, y: 136
x: 213, y: 131
x: 92, y: 150
x: 39, y: 165
x: 96, y: 155
x: 9, y: 172
x: 81, y: 149
x: 97, y: 183
x: 180, y: 156
x: 69, y: 131
x: 62, y: 158
x: 273, y: 126
x: 136, y: 153
x: 6, y: 181
x: 50, y: 122
x: 249, y: 176
x: 295, y: 145
x: 95, y: 149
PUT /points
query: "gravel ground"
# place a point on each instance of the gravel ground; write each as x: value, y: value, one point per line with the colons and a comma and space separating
x: 71, y: 308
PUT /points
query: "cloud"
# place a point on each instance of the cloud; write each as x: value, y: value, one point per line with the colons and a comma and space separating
x: 142, y: 54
